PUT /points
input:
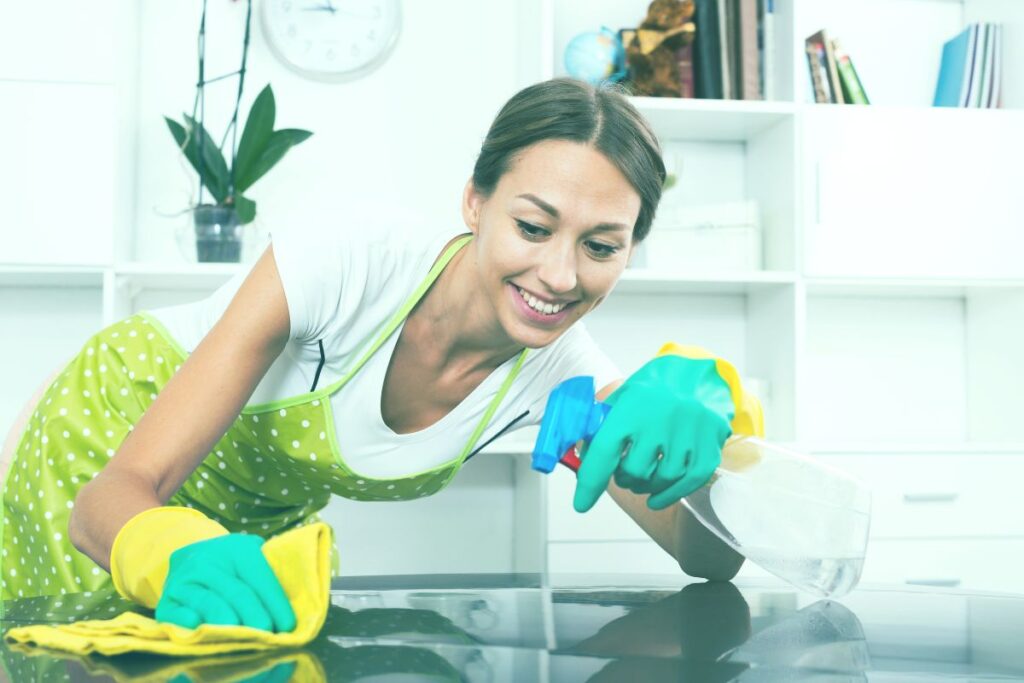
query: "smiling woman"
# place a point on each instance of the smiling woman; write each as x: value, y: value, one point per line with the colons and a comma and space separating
x: 369, y: 364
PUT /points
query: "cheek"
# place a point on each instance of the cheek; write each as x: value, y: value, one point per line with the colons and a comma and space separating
x: 598, y: 279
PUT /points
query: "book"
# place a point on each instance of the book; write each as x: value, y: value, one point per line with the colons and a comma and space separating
x: 749, y: 63
x: 768, y: 48
x: 724, y: 49
x: 996, y: 99
x: 823, y: 49
x: 984, y: 91
x: 977, y: 67
x: 955, y: 69
x: 980, y: 85
x: 731, y: 69
x: 684, y: 62
x: 817, y: 80
x: 853, y: 90
x: 707, y: 51
x: 821, y: 38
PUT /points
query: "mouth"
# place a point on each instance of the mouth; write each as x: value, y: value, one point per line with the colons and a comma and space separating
x: 539, y: 310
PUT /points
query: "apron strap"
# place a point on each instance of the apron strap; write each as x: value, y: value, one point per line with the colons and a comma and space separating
x: 402, y: 312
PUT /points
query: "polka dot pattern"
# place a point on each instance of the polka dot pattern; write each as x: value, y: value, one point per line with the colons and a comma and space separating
x: 275, y: 467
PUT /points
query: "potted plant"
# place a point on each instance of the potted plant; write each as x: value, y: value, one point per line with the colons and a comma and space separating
x: 218, y: 225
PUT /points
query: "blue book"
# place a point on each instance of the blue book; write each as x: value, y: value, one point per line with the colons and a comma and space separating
x: 955, y: 71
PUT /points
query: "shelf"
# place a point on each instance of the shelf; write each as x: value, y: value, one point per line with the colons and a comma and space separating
x: 711, y: 120
x: 644, y: 281
x: 184, y: 276
x: 51, y: 276
x: 917, y: 448
x: 919, y: 110
x: 907, y: 287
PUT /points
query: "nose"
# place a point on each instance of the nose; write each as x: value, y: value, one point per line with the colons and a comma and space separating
x: 557, y: 271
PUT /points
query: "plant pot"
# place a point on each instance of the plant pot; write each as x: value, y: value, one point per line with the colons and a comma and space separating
x: 218, y: 234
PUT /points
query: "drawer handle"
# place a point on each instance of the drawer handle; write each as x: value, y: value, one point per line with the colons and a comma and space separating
x: 930, y: 497
x: 934, y: 582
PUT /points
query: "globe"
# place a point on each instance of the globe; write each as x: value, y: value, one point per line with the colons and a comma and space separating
x: 596, y: 56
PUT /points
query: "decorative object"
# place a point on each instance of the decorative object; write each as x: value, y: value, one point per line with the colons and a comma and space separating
x: 331, y: 40
x: 218, y: 225
x: 596, y: 56
x: 651, y: 49
x: 722, y: 237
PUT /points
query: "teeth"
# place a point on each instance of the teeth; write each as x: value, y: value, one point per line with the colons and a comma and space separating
x: 538, y: 305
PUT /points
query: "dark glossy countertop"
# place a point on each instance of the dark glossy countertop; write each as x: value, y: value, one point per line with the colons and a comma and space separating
x: 614, y: 627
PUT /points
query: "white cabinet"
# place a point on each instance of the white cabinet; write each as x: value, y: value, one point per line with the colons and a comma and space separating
x: 903, y: 192
x: 939, y: 495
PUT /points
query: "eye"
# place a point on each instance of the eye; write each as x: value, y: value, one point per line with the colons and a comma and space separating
x: 530, y: 230
x: 601, y: 249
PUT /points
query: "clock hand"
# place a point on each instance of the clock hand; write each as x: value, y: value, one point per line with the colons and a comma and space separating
x: 375, y: 15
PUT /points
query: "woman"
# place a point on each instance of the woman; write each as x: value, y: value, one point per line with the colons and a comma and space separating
x: 179, y: 438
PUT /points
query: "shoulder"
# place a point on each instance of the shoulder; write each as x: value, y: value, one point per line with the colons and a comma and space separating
x: 572, y: 354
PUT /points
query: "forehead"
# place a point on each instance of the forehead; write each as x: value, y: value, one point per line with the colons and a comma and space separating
x: 573, y: 177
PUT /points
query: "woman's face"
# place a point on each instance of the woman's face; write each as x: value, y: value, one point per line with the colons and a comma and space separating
x: 555, y: 235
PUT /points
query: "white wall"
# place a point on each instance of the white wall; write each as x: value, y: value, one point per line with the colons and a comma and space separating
x: 401, y: 140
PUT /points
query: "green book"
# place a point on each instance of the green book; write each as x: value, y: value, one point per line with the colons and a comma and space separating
x: 853, y: 91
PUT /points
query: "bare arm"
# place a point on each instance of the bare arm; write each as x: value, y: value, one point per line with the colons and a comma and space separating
x: 193, y: 411
x: 698, y: 551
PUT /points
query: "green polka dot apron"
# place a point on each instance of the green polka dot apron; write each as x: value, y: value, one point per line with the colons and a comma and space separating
x: 275, y: 467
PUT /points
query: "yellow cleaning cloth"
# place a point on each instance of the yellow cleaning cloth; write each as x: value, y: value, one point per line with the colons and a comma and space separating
x: 301, y: 559
x: 287, y: 665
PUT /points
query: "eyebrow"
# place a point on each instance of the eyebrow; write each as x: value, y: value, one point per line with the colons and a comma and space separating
x: 553, y: 212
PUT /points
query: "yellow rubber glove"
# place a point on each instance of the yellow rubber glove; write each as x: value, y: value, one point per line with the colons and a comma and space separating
x: 749, y: 417
x: 140, y: 556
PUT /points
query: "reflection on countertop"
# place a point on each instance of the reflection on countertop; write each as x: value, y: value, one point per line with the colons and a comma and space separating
x: 533, y: 627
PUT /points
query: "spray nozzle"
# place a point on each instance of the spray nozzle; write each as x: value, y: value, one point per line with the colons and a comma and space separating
x: 571, y: 414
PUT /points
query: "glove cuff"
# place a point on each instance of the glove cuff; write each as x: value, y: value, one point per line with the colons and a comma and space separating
x: 140, y: 556
x: 749, y: 418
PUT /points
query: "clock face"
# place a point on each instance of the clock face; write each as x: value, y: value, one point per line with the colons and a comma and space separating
x: 332, y: 40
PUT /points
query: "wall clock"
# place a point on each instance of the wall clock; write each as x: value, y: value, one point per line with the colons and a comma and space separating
x: 331, y: 40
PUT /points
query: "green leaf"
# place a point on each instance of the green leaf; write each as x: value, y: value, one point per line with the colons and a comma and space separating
x: 279, y: 144
x: 182, y: 139
x: 215, y: 171
x: 245, y: 208
x: 258, y: 129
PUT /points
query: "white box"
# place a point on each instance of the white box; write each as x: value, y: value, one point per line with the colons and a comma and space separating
x: 709, y: 237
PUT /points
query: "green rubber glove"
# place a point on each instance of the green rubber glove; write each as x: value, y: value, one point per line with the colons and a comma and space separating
x: 224, y: 580
x: 674, y: 405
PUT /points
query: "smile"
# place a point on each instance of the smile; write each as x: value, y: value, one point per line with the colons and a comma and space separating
x: 547, y: 310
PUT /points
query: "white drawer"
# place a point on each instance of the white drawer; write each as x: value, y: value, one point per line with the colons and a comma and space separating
x: 940, y: 495
x: 641, y: 557
x: 606, y: 521
x: 981, y: 564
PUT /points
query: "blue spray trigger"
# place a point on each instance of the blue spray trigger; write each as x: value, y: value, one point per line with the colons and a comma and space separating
x: 571, y: 414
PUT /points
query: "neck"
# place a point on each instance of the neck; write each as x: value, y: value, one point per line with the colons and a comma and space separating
x: 457, y: 320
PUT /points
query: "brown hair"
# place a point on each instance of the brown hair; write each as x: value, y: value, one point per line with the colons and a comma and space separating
x: 574, y: 110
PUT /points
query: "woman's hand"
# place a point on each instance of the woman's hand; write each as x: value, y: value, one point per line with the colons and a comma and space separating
x: 676, y: 406
x: 224, y: 580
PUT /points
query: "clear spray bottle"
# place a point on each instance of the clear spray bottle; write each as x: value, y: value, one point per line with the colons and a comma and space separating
x: 793, y: 516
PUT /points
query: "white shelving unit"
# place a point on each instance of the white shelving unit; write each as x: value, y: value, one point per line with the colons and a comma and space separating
x: 884, y: 328
x: 882, y: 334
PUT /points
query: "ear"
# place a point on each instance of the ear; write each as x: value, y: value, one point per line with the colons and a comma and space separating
x: 472, y: 205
